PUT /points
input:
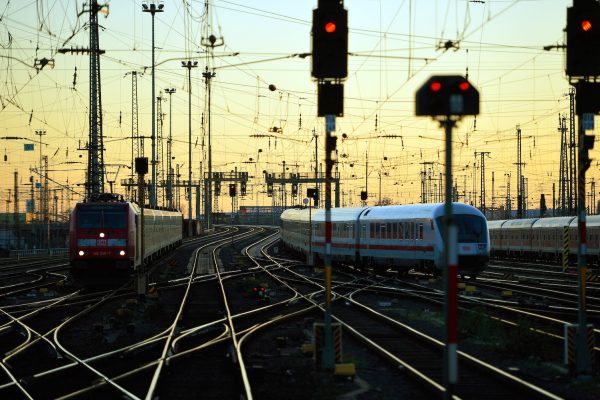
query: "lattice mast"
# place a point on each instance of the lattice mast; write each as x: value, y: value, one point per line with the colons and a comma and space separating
x: 95, y: 182
x: 563, y: 177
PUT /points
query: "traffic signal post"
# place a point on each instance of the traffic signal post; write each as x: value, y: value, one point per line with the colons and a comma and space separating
x: 583, y: 68
x: 141, y: 282
x: 447, y: 99
x: 329, y: 67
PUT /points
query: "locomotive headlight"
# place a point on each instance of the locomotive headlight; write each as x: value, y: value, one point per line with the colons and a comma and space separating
x: 101, y: 234
x: 81, y: 252
x: 122, y: 252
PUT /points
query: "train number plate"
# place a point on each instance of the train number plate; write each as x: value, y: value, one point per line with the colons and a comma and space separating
x: 101, y: 242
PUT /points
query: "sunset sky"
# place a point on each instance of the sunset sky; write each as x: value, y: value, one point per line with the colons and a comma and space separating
x: 394, y: 48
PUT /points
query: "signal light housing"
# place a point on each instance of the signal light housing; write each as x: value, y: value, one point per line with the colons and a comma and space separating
x: 583, y: 39
x: 450, y: 95
x: 330, y: 41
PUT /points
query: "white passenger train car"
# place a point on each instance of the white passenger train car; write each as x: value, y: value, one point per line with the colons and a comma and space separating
x: 544, y: 238
x: 399, y: 237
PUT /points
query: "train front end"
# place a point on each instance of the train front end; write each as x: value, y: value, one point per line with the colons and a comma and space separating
x: 473, y: 237
x: 102, y: 237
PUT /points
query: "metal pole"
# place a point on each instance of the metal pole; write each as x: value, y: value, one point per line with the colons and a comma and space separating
x: 170, y: 91
x: 310, y: 254
x: 141, y: 272
x: 583, y: 364
x: 208, y: 209
x: 450, y: 273
x: 189, y: 65
x: 153, y: 8
x: 328, y: 359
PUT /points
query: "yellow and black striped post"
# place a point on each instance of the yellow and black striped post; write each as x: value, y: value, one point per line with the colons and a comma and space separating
x: 565, y: 253
x: 319, y: 342
x: 570, y: 332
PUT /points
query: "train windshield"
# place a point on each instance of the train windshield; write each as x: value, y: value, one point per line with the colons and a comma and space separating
x: 96, y: 219
x: 471, y: 228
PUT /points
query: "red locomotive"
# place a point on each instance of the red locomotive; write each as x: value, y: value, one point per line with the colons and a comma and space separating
x: 107, y: 235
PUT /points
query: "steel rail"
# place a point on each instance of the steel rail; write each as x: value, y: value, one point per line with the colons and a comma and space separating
x: 167, y: 346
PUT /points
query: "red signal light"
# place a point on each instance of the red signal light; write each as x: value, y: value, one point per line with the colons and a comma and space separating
x: 435, y: 86
x: 464, y: 86
x: 254, y: 289
x: 330, y: 27
x: 586, y: 25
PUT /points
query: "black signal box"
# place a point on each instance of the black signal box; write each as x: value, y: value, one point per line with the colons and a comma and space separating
x: 232, y: 190
x: 587, y: 96
x: 141, y: 165
x: 447, y: 95
x: 330, y: 99
x: 330, y: 41
x: 583, y: 39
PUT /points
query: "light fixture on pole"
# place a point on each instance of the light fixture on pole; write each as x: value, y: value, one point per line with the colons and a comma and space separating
x: 189, y: 65
x: 153, y: 8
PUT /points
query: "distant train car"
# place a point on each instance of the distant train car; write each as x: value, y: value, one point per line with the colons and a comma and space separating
x: 544, y: 238
x: 398, y: 237
x: 107, y: 235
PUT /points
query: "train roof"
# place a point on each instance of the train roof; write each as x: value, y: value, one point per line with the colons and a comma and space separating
x: 590, y: 221
x: 519, y: 223
x: 126, y: 204
x: 553, y: 222
x: 429, y: 210
x: 496, y: 224
x: 318, y: 215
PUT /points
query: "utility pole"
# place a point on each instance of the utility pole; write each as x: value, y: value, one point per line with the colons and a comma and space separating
x: 16, y: 210
x: 563, y: 176
x: 508, y: 207
x: 40, y: 133
x: 153, y: 8
x: 520, y: 199
x: 482, y: 155
x: 572, y: 154
x: 170, y: 92
x: 210, y: 43
x: 137, y: 141
x: 160, y: 176
x: 493, y: 195
x: 189, y: 65
x: 95, y: 169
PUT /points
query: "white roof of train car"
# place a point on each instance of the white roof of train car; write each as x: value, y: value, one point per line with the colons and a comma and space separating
x: 590, y: 221
x: 496, y: 224
x: 554, y: 222
x: 318, y: 215
x: 431, y: 210
x: 519, y: 223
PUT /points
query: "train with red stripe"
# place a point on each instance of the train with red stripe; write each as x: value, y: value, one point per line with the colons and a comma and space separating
x: 106, y: 236
x: 400, y: 237
x: 545, y: 239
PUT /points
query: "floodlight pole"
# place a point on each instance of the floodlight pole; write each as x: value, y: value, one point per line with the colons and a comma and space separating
x: 189, y: 65
x: 153, y: 8
x: 450, y: 271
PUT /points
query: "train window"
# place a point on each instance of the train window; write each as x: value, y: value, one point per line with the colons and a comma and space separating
x: 383, y: 234
x: 421, y: 231
x: 363, y: 231
x: 471, y: 228
x: 89, y: 219
x: 400, y: 230
x: 372, y: 231
x: 115, y: 220
x: 389, y: 230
